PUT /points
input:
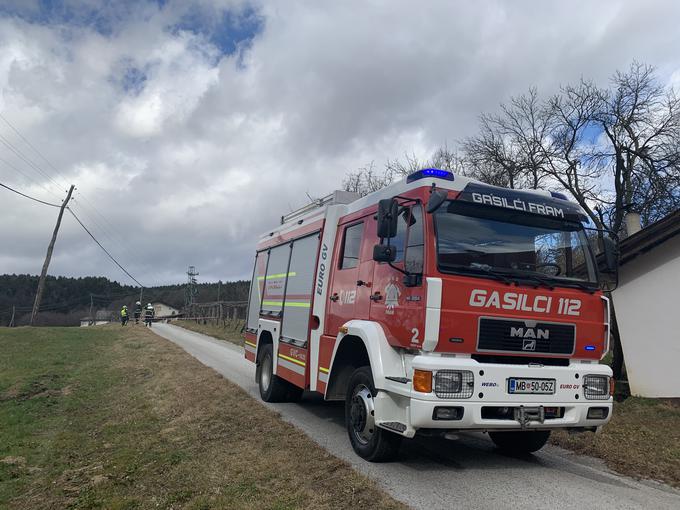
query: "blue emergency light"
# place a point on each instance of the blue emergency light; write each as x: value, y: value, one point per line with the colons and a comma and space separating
x: 589, y: 347
x: 430, y: 172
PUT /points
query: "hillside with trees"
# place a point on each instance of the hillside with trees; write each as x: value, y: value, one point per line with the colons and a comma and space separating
x: 67, y: 300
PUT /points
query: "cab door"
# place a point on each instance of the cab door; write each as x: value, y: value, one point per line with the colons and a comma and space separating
x: 343, y: 292
x: 398, y: 305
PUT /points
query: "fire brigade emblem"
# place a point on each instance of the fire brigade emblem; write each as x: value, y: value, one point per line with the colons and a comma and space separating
x: 392, y: 293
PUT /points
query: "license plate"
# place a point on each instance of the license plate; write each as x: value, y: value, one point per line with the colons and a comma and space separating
x: 535, y: 386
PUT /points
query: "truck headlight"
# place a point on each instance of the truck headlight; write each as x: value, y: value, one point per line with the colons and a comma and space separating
x: 596, y: 387
x: 454, y: 383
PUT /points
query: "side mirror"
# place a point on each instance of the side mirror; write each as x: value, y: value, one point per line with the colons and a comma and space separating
x: 437, y: 198
x: 388, y: 212
x: 384, y: 253
x: 611, y: 254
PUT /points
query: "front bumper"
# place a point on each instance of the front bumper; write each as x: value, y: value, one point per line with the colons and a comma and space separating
x: 415, y: 410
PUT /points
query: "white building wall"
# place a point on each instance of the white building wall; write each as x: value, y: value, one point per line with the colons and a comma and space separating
x: 163, y: 310
x: 648, y: 312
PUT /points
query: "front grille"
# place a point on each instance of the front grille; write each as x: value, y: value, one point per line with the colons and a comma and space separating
x: 527, y: 337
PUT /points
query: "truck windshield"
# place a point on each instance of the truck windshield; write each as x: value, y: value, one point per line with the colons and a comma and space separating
x: 486, y: 240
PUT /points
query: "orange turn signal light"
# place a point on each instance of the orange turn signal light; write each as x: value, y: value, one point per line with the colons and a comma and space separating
x: 612, y: 385
x: 422, y: 381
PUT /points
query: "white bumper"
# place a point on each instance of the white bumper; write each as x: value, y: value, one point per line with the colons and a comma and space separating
x: 400, y: 404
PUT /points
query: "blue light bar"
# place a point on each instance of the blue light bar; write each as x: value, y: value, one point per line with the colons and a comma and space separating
x: 430, y: 172
x: 557, y: 194
x: 589, y: 347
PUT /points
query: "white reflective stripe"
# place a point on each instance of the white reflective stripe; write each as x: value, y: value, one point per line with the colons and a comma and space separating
x: 433, y: 305
x: 291, y: 366
x: 323, y: 377
x: 249, y: 348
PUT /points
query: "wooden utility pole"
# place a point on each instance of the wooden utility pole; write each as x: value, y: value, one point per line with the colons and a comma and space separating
x: 11, y: 321
x: 48, y: 257
x: 91, y: 311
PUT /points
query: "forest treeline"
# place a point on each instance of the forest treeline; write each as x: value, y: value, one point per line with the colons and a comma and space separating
x: 67, y: 300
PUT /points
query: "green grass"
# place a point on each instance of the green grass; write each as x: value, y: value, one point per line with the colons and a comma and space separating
x: 229, y: 331
x: 112, y: 417
x: 642, y: 440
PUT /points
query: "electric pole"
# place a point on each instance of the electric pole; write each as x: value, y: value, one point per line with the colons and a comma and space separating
x: 11, y: 321
x: 191, y: 290
x: 92, y: 321
x: 48, y: 257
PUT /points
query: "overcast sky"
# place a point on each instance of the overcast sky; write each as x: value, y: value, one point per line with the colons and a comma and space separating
x: 190, y: 127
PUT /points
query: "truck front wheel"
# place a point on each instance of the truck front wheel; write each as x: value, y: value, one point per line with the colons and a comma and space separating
x: 368, y: 441
x: 525, y: 441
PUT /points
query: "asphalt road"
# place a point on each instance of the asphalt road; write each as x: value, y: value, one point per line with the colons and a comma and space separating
x: 439, y: 473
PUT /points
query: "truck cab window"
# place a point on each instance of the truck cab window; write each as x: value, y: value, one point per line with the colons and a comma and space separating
x: 409, y: 239
x: 413, y: 263
x: 351, y: 245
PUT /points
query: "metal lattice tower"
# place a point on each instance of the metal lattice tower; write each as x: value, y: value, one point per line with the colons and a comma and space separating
x: 191, y: 289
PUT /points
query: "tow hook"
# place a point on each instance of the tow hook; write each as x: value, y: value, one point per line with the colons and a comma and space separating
x: 524, y: 415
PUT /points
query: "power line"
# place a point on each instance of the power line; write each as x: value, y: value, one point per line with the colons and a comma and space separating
x: 28, y: 196
x: 104, y: 249
x: 10, y: 165
x: 31, y: 145
x: 27, y: 160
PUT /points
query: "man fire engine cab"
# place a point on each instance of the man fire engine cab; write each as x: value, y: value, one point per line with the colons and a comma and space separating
x: 437, y: 304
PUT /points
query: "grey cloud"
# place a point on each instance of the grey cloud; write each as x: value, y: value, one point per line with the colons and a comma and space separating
x: 204, y: 153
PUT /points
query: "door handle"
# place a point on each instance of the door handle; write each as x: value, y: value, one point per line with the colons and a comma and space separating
x: 334, y: 297
x: 376, y: 297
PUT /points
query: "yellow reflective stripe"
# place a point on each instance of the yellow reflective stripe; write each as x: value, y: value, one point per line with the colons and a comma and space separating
x: 280, y: 275
x: 251, y: 344
x: 288, y: 358
x: 324, y: 370
x: 288, y: 303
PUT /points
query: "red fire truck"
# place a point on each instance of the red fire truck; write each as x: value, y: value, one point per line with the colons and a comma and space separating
x: 437, y: 304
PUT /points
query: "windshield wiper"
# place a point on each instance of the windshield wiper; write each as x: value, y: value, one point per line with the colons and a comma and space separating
x: 552, y: 282
x: 480, y: 269
x: 542, y: 280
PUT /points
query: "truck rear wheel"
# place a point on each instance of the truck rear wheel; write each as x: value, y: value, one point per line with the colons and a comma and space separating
x: 368, y: 441
x: 272, y: 387
x: 525, y: 441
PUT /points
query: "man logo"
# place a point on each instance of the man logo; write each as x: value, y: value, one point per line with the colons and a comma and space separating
x: 530, y: 333
x: 529, y: 344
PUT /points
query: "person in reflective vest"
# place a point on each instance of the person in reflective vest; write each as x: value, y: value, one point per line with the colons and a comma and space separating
x: 149, y: 312
x: 138, y: 311
x: 124, y: 316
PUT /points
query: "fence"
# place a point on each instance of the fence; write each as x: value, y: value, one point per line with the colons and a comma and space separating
x: 218, y: 312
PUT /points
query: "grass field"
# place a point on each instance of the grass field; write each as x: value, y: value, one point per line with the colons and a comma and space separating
x: 112, y: 417
x: 642, y: 440
x: 231, y: 332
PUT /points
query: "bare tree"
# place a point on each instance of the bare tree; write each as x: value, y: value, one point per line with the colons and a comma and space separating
x: 568, y: 149
x: 640, y: 119
x: 366, y: 180
x: 510, y: 147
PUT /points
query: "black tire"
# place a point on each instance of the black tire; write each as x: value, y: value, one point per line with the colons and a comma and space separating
x: 371, y: 443
x: 520, y: 442
x: 272, y: 387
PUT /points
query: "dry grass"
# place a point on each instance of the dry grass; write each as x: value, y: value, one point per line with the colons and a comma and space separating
x: 642, y: 440
x: 231, y: 331
x: 142, y: 424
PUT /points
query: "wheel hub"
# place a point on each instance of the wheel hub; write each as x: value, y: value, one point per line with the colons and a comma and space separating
x: 362, y: 414
x: 266, y: 373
